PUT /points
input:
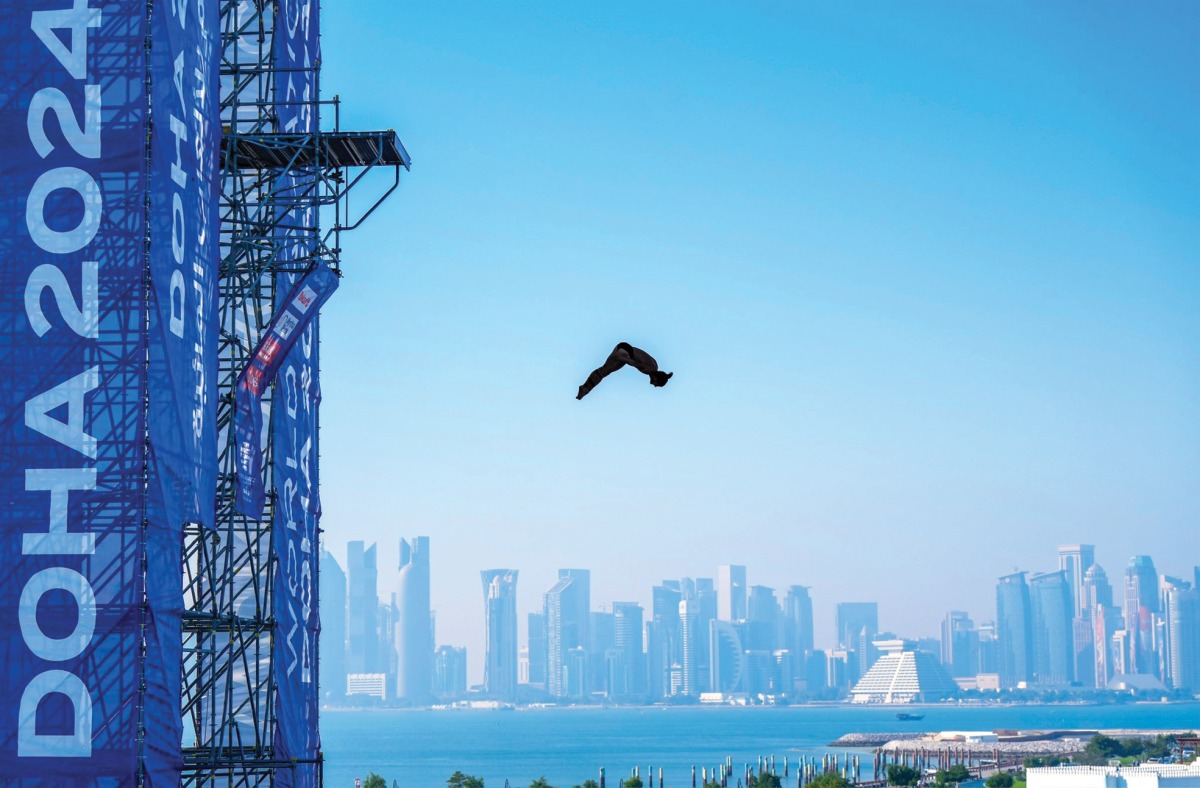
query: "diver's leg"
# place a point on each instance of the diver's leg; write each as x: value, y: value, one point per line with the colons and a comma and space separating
x: 615, y: 361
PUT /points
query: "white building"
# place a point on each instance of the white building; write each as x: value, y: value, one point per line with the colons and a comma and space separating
x: 903, y: 675
x: 371, y: 684
x: 1152, y: 775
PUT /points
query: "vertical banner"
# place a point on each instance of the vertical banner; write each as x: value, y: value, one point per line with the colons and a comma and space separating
x: 183, y: 182
x: 294, y: 417
x: 73, y: 354
x: 289, y: 325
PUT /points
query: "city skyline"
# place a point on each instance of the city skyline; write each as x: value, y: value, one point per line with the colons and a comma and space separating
x: 926, y: 277
x: 825, y: 613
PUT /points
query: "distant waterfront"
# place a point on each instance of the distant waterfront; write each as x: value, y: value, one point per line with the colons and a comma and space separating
x: 420, y: 749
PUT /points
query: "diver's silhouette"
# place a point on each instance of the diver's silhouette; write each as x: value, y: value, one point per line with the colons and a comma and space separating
x: 625, y: 353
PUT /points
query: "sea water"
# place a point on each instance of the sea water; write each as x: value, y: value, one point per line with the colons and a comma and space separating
x: 421, y: 749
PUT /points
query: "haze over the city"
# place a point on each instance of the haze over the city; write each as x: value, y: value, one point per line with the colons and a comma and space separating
x: 927, y: 278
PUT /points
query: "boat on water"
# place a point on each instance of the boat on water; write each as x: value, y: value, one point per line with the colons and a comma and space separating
x: 905, y: 716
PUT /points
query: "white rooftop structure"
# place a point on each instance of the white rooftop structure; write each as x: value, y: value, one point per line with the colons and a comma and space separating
x: 903, y: 675
x: 1151, y: 775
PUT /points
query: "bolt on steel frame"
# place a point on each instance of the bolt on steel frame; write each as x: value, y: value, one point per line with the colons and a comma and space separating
x: 229, y: 689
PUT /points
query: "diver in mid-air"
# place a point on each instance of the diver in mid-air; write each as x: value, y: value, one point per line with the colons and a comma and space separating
x: 625, y: 353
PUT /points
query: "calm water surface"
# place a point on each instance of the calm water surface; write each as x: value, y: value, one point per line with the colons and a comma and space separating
x: 420, y: 749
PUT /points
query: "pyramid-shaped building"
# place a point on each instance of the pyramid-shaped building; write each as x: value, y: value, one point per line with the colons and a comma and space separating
x: 903, y: 675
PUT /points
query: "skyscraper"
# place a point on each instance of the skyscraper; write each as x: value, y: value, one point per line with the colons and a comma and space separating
x: 689, y: 618
x: 385, y: 626
x: 568, y: 627
x: 706, y: 600
x: 728, y: 657
x: 663, y: 644
x: 537, y: 648
x: 798, y: 621
x: 1014, y: 630
x: 960, y: 644
x: 989, y: 650
x: 628, y: 619
x: 731, y: 592
x: 1052, y: 626
x: 1183, y: 624
x: 603, y: 636
x: 414, y: 638
x: 1074, y: 560
x: 762, y: 619
x: 363, y: 654
x: 852, y: 618
x: 1141, y: 603
x: 450, y: 672
x: 857, y: 626
x: 333, y: 629
x: 1104, y: 619
x: 500, y: 624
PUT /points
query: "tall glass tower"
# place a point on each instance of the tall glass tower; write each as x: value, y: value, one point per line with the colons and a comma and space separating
x: 500, y: 623
x: 731, y: 592
x: 798, y: 618
x: 414, y: 634
x: 333, y: 629
x: 1014, y: 630
x: 568, y: 626
x: 1053, y: 617
x: 363, y: 654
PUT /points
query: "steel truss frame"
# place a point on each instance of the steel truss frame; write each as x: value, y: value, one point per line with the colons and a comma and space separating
x: 228, y: 681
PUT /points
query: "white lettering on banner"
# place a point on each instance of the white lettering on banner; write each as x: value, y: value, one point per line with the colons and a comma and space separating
x: 201, y: 120
x: 84, y: 319
x: 64, y: 241
x: 70, y: 393
x: 298, y: 401
x: 65, y: 33
x: 57, y: 578
x: 78, y: 743
x: 57, y: 540
x: 84, y: 139
x: 176, y: 295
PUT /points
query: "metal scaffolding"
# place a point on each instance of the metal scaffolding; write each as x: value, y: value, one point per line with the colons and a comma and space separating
x: 278, y: 185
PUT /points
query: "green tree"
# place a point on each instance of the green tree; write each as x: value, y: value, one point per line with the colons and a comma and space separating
x: 374, y: 781
x: 764, y: 780
x: 631, y: 782
x: 830, y: 780
x: 1044, y: 760
x: 540, y: 783
x: 999, y: 780
x: 952, y: 776
x: 460, y: 780
x: 902, y: 775
x: 589, y: 784
x: 1099, y: 750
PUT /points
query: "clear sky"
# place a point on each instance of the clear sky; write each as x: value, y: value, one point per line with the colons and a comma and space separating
x: 928, y: 277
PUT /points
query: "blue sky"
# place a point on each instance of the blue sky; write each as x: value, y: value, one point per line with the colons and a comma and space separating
x: 928, y: 276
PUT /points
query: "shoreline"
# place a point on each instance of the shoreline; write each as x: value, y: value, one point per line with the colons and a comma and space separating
x: 485, y: 706
x: 1025, y: 742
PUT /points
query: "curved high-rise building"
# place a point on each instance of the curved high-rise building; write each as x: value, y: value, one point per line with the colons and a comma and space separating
x: 728, y: 657
x: 414, y: 631
x: 1014, y: 630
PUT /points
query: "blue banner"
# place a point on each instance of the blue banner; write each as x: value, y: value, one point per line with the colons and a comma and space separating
x: 73, y: 351
x: 183, y: 182
x: 293, y: 315
x: 294, y: 418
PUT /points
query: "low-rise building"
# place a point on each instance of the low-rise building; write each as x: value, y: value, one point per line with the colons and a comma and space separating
x: 1151, y: 775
